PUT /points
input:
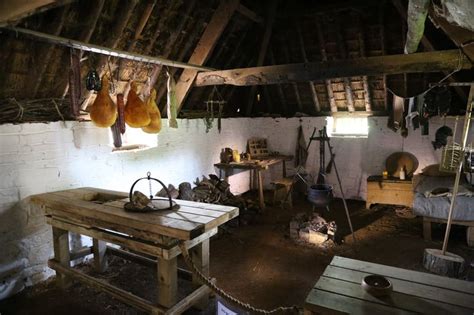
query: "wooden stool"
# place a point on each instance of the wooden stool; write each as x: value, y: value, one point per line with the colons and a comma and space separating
x: 281, y: 191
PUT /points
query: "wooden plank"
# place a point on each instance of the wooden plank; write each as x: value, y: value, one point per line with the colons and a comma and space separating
x: 263, y: 50
x: 189, y: 300
x: 249, y: 14
x: 101, y: 285
x: 371, y: 66
x: 322, y: 302
x: 140, y: 221
x: 314, y: 94
x: 324, y: 57
x: 205, y: 46
x: 167, y: 281
x: 404, y: 274
x: 121, y: 240
x: 405, y: 295
x: 200, y: 257
x: 100, y: 261
x: 61, y: 253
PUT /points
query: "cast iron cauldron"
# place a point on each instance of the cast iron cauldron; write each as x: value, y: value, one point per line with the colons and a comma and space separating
x: 320, y: 195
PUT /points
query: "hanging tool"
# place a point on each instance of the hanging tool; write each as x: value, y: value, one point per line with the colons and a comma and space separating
x: 322, y: 158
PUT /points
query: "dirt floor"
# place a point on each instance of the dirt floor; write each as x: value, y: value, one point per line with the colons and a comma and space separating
x: 258, y: 263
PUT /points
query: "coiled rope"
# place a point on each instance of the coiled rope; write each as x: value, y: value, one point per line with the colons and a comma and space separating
x: 207, y: 281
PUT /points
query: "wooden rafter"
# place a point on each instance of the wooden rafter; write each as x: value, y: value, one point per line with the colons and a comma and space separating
x: 286, y: 54
x: 377, y: 65
x: 341, y: 44
x: 250, y: 14
x: 281, y: 94
x: 204, y: 47
x: 86, y: 34
x: 47, y: 51
x: 263, y: 50
x: 428, y: 45
x: 365, y: 79
x: 381, y: 16
x: 123, y: 17
x: 324, y: 57
x: 314, y: 94
x: 13, y: 11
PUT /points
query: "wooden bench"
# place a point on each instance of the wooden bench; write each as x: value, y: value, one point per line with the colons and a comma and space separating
x: 427, y: 228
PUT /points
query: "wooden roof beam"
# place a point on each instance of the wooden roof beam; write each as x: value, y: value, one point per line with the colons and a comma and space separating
x: 284, y: 48
x: 249, y: 14
x: 13, y: 11
x: 428, y: 45
x: 343, y: 52
x: 391, y: 64
x: 314, y: 94
x: 204, y: 47
x: 263, y: 50
x: 381, y: 17
x: 324, y: 56
x: 281, y: 94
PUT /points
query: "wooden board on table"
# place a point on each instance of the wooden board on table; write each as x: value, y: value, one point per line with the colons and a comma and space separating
x: 339, y: 291
x: 185, y: 225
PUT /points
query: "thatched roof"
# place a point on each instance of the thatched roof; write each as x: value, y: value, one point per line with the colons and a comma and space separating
x: 303, y: 31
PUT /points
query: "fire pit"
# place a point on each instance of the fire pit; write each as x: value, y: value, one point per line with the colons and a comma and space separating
x: 311, y: 229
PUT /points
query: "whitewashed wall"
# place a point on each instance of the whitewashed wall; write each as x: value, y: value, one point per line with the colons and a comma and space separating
x: 37, y: 158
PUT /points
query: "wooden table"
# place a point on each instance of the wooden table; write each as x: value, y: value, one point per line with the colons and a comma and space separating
x: 392, y: 191
x: 99, y: 214
x: 257, y: 166
x: 338, y: 291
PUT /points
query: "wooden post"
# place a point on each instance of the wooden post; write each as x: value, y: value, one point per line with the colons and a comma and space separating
x: 100, y: 260
x: 263, y: 50
x: 61, y: 253
x: 204, y: 47
x: 167, y: 281
x: 261, y: 198
x: 200, y: 257
x: 317, y: 107
x: 322, y: 46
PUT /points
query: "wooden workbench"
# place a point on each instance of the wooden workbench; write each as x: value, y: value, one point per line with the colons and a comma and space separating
x: 339, y: 291
x: 99, y: 214
x: 257, y: 166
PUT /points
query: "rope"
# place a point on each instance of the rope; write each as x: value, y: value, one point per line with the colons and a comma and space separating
x: 207, y: 281
x: 20, y: 112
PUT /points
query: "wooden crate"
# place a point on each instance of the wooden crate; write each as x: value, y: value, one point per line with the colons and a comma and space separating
x: 393, y: 192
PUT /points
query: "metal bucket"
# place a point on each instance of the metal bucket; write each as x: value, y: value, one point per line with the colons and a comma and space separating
x: 320, y: 195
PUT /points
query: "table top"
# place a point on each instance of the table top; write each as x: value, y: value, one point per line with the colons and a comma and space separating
x: 339, y: 290
x: 104, y: 209
x: 261, y: 163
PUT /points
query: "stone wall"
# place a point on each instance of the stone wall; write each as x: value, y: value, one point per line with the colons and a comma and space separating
x: 38, y: 158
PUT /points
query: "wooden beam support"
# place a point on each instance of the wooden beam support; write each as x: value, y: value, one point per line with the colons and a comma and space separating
x: 391, y: 64
x: 415, y: 18
x: 47, y: 51
x: 365, y: 79
x: 13, y: 11
x: 263, y: 50
x: 428, y: 45
x: 324, y: 57
x: 343, y: 52
x: 249, y: 14
x: 87, y: 33
x: 205, y: 46
x: 314, y: 94
x: 284, y: 49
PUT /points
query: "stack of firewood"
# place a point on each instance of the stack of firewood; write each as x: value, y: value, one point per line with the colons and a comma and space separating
x: 209, y: 190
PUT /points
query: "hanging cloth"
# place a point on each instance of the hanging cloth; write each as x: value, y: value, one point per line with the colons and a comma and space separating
x: 172, y: 103
x: 301, y: 154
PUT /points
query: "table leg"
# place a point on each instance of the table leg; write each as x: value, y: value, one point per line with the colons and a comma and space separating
x: 200, y: 257
x: 61, y: 254
x: 284, y: 168
x: 167, y: 282
x: 100, y: 261
x: 260, y: 189
x: 426, y: 229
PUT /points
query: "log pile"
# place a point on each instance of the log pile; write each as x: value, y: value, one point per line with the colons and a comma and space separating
x: 209, y: 190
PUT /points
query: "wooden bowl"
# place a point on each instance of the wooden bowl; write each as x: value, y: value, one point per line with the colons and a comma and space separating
x: 376, y: 285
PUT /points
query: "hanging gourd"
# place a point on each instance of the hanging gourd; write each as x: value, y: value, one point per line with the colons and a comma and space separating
x: 155, y: 125
x: 136, y: 113
x: 103, y: 111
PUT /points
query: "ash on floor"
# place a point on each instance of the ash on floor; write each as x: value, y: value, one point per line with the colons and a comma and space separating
x: 258, y: 262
